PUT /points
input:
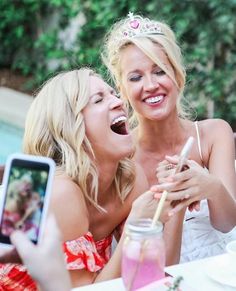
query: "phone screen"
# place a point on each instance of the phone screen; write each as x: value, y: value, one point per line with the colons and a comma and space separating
x: 24, y: 199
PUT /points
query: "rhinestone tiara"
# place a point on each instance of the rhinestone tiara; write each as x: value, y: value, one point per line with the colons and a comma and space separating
x: 137, y: 26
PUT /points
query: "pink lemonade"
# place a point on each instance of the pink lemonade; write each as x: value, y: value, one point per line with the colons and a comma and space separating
x: 137, y: 274
x: 143, y: 254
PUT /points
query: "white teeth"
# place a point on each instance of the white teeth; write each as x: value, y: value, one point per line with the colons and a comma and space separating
x: 118, y: 119
x: 154, y: 99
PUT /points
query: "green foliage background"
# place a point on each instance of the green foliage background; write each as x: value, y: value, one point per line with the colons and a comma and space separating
x: 206, y: 30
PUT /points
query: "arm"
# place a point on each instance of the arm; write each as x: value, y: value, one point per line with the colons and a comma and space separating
x: 222, y: 167
x: 217, y: 185
x: 173, y: 238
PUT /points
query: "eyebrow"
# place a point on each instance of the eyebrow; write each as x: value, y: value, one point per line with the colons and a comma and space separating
x: 138, y: 70
x: 95, y: 93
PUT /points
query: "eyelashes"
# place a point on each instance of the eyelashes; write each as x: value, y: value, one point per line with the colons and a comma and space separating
x: 100, y: 96
x: 137, y: 78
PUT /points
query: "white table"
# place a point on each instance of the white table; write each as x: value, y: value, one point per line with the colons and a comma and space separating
x: 193, y: 273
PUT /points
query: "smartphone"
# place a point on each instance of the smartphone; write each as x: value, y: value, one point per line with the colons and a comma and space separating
x: 182, y: 160
x: 184, y: 154
x: 26, y: 188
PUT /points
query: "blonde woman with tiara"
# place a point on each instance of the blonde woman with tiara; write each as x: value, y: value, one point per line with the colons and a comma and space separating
x: 146, y: 64
x: 77, y: 120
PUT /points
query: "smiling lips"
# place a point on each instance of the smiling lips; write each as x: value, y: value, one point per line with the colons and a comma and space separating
x: 154, y: 99
x: 119, y: 125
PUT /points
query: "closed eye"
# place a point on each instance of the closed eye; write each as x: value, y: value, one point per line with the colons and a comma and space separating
x: 98, y: 100
x: 98, y: 97
x: 159, y: 72
x: 135, y: 78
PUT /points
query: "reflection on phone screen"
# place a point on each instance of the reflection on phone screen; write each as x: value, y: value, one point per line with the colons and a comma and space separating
x: 24, y: 199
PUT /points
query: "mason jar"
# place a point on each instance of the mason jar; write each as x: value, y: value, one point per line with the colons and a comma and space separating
x: 143, y: 254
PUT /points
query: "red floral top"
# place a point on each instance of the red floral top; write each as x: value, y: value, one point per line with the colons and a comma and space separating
x: 85, y: 253
x: 81, y: 253
x: 15, y: 277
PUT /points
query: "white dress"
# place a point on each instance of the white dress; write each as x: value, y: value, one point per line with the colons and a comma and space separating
x: 200, y: 239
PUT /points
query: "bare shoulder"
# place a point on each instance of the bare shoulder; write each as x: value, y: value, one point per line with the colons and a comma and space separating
x: 68, y: 205
x: 214, y: 127
x: 218, y: 144
x: 216, y: 132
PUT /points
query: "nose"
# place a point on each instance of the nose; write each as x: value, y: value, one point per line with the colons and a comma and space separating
x: 116, y: 102
x: 150, y: 83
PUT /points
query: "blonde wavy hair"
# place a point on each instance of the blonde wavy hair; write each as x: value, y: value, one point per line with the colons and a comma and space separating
x: 115, y: 42
x: 55, y: 128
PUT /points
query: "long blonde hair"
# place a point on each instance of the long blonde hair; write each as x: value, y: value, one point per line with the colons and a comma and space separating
x: 55, y: 128
x: 116, y: 40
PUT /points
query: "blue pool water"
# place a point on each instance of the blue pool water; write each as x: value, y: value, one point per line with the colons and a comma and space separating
x: 10, y: 140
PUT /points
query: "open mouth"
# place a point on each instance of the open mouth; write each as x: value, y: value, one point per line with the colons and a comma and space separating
x: 119, y: 125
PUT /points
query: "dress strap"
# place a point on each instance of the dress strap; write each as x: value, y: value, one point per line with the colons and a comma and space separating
x: 198, y: 140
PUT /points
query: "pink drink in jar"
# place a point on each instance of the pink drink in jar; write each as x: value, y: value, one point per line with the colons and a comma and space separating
x: 143, y: 258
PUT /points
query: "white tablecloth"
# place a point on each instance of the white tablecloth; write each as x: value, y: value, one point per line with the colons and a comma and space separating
x: 193, y: 273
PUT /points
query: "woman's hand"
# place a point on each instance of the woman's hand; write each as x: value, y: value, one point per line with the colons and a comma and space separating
x: 145, y: 207
x: 187, y: 187
x: 45, y: 262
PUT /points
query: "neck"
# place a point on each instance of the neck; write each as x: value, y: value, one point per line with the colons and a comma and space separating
x: 161, y: 136
x: 107, y: 172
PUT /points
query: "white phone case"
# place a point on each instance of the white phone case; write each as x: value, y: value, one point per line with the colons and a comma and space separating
x: 30, y: 164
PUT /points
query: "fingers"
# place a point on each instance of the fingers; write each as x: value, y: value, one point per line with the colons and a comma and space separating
x: 181, y: 205
x: 176, y: 191
x: 167, y: 170
x: 172, y: 159
x: 166, y: 175
x: 23, y: 245
x: 52, y: 229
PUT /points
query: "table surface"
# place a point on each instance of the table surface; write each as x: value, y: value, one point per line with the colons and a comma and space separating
x: 193, y: 273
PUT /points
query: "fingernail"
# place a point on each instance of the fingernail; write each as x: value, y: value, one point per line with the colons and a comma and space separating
x: 170, y: 214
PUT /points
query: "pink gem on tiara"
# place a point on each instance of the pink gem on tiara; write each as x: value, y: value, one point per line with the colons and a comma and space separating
x: 134, y: 24
x: 137, y: 26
